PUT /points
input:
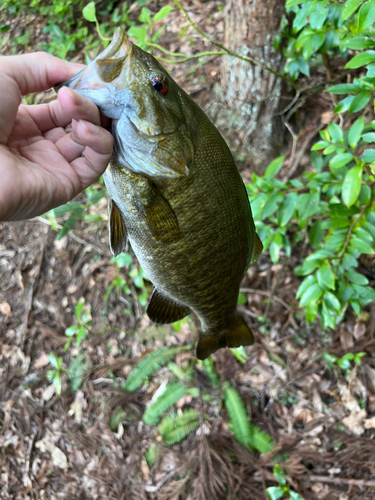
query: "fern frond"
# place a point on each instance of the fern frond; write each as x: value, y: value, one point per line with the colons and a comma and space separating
x: 153, y: 454
x: 170, y: 396
x: 238, y: 415
x: 246, y: 433
x: 175, y: 428
x: 260, y: 440
x: 149, y: 365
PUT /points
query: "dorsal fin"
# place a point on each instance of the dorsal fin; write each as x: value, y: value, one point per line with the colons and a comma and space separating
x: 117, y: 231
x: 163, y: 309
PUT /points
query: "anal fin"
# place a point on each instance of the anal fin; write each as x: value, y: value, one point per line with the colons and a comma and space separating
x: 163, y: 309
x: 117, y: 230
x: 209, y: 342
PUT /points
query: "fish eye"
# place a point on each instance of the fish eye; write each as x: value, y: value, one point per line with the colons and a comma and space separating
x: 159, y: 85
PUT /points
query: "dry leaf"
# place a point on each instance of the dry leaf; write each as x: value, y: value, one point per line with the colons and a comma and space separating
x: 58, y: 457
x: 326, y: 117
x: 42, y: 361
x: 5, y: 309
x: 369, y: 423
x: 354, y: 422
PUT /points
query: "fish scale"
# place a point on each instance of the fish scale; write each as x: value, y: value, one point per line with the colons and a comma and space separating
x: 175, y: 193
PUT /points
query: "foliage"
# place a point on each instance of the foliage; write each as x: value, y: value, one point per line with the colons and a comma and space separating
x: 332, y: 205
x: 247, y: 434
x: 54, y: 375
x: 282, y: 490
x: 82, y: 327
x: 76, y: 371
x: 344, y: 362
x: 174, y: 428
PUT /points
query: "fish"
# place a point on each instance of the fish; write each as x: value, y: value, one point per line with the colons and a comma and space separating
x: 175, y: 194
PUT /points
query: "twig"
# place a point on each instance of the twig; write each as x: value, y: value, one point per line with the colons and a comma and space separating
x: 266, y: 294
x: 74, y: 236
x: 340, y: 480
x: 29, y: 452
x: 234, y: 54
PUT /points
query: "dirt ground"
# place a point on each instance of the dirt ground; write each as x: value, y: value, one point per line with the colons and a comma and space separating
x: 74, y: 446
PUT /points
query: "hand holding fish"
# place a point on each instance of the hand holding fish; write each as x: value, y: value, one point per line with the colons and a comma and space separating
x: 48, y: 152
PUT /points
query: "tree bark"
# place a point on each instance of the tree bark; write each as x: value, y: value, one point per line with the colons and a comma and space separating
x: 248, y: 99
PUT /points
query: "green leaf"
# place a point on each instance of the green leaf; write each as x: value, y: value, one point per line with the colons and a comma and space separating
x: 319, y: 145
x: 145, y: 15
x: 138, y: 32
x: 366, y: 15
x: 336, y: 133
x: 360, y: 245
x: 342, y: 88
x: 238, y: 415
x: 355, y: 132
x: 316, y: 235
x: 364, y: 194
x: 356, y: 278
x: 279, y: 474
x: 175, y: 428
x: 312, y: 294
x: 292, y: 3
x: 287, y: 208
x: 306, y: 283
x: 341, y: 160
x: 275, y: 247
x: 369, y: 137
x: 368, y: 156
x: 272, y: 205
x: 359, y: 43
x: 295, y: 496
x: 325, y: 276
x: 275, y: 492
x: 242, y: 299
x: 53, y: 360
x: 350, y: 7
x: 79, y: 307
x: 319, y: 15
x: 149, y: 365
x: 351, y: 186
x: 71, y: 330
x: 163, y: 12
x: 361, y: 59
x: 344, y: 105
x: 122, y: 260
x: 274, y: 167
x: 88, y: 12
x: 168, y: 398
x: 153, y: 454
x: 260, y: 440
x: 308, y: 205
x: 332, y: 301
x: 359, y: 102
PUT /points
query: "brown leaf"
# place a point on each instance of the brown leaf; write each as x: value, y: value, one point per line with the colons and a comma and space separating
x: 5, y: 309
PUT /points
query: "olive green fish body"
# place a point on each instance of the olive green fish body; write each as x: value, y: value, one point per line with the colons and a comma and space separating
x: 176, y: 195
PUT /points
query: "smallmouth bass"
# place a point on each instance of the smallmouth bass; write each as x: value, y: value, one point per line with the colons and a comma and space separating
x: 175, y: 194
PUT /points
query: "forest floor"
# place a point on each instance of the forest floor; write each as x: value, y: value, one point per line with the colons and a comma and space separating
x: 90, y: 442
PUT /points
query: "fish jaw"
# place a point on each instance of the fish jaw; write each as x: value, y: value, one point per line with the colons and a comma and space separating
x: 95, y: 81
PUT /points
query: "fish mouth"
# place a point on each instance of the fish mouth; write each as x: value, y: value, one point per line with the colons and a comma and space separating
x: 104, y: 68
x: 150, y: 137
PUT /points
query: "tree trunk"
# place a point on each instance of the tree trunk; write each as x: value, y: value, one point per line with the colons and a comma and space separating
x: 248, y: 99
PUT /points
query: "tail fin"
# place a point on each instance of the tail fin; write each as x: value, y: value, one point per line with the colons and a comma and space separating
x: 239, y: 334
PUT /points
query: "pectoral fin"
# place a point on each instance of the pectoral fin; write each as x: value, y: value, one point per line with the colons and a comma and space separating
x: 160, y: 217
x: 239, y: 334
x: 117, y: 230
x: 163, y: 309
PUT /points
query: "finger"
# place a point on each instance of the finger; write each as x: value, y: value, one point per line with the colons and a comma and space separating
x: 20, y: 75
x: 69, y: 106
x: 96, y: 155
x: 72, y: 145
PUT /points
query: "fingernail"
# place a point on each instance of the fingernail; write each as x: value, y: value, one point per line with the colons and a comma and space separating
x: 89, y: 127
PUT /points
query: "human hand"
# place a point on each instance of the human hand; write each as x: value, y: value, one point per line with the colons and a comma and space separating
x: 48, y: 152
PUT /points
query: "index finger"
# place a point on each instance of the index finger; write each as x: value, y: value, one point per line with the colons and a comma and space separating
x: 21, y: 75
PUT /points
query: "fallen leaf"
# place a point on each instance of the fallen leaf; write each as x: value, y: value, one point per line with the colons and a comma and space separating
x: 369, y: 423
x: 5, y: 309
x: 42, y: 361
x: 58, y: 457
x: 354, y: 422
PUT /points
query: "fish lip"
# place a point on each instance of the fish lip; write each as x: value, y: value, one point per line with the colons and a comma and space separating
x: 151, y: 138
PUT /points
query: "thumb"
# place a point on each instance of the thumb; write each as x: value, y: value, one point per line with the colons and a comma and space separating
x: 21, y: 75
